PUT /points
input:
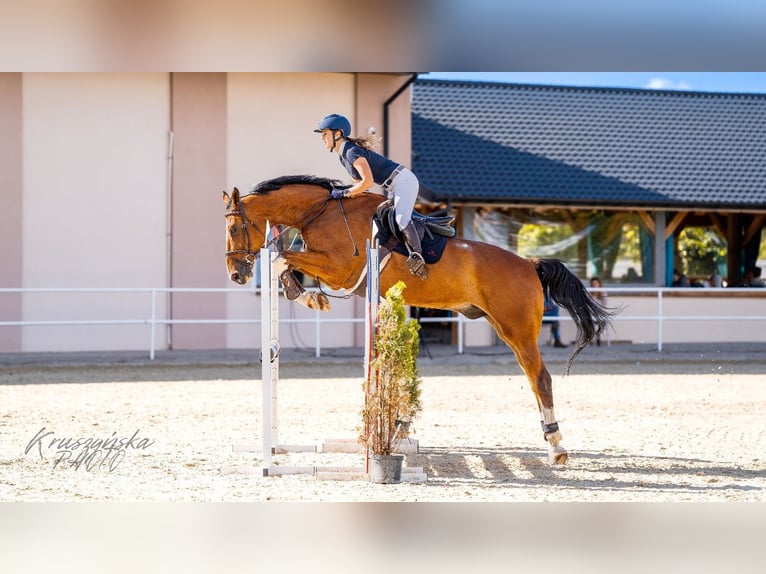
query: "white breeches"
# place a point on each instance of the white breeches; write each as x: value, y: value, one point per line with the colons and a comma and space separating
x: 404, y: 190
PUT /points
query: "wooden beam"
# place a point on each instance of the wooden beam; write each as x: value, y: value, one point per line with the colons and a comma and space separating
x: 567, y: 218
x: 717, y: 223
x: 753, y: 228
x: 647, y: 220
x: 671, y: 227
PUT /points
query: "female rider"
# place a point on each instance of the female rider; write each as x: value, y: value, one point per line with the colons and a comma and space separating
x: 367, y: 168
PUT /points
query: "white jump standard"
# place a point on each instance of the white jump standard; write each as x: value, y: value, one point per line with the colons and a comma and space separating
x: 270, y: 348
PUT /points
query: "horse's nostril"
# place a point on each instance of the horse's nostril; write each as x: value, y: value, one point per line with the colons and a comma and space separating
x: 235, y: 276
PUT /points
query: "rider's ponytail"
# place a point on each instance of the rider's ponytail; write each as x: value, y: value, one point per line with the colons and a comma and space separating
x: 371, y: 142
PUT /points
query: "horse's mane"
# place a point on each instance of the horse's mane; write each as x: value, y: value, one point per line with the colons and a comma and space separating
x: 278, y: 182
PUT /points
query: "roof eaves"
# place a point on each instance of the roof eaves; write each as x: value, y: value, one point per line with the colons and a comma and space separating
x: 598, y: 89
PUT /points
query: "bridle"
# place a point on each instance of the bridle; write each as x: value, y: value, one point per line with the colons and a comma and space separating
x: 250, y: 255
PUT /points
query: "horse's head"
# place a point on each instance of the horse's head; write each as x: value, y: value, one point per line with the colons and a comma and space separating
x: 243, y: 237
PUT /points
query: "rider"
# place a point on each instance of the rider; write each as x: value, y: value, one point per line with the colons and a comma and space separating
x: 367, y: 168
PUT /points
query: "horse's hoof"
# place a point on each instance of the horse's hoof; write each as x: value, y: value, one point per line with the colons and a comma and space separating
x: 558, y: 456
x: 311, y: 303
x: 323, y: 302
x: 317, y: 302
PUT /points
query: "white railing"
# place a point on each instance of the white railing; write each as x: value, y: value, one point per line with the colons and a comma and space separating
x: 153, y: 321
x: 660, y: 317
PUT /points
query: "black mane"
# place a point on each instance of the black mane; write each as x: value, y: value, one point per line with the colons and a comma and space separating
x: 278, y: 182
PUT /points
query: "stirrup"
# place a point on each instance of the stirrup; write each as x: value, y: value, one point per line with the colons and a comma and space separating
x: 417, y: 265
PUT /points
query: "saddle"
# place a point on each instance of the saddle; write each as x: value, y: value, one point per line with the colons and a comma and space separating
x: 433, y: 232
x: 425, y: 224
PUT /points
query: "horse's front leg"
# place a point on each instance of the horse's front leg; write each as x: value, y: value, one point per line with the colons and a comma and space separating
x: 335, y: 272
x: 294, y: 291
x: 332, y: 271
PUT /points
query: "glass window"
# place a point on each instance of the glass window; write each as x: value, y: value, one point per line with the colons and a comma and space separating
x: 618, y: 247
x: 699, y: 253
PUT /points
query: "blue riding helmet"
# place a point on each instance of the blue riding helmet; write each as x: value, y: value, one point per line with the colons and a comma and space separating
x: 335, y: 122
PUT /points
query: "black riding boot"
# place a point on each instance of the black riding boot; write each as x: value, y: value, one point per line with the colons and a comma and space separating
x: 415, y: 261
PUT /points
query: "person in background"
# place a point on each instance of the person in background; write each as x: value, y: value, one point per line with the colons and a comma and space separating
x: 599, y: 296
x: 679, y: 279
x: 550, y: 309
x: 715, y: 279
x: 753, y: 277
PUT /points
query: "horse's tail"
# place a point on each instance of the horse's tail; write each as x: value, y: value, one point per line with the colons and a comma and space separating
x: 589, y: 316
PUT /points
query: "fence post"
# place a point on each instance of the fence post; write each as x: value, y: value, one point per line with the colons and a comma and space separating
x: 153, y: 325
x: 659, y: 320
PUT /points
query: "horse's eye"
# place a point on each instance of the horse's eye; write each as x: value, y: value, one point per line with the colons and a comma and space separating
x: 233, y: 230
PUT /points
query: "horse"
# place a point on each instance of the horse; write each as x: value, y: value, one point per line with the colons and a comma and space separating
x: 474, y: 278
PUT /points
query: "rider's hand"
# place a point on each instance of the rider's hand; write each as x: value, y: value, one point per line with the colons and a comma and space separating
x: 338, y: 193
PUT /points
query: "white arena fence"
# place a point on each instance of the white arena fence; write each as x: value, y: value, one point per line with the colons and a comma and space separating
x: 151, y: 319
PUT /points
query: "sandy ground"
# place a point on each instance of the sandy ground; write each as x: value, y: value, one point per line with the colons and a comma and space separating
x: 647, y: 433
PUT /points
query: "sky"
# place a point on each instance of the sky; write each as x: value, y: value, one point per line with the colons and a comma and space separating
x: 737, y: 82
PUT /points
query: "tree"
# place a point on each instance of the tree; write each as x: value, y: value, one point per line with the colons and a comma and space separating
x: 701, y: 250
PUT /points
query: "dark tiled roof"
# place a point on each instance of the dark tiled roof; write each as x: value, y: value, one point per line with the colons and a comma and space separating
x: 536, y: 144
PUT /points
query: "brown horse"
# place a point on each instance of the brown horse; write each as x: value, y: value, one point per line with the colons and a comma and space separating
x: 472, y: 278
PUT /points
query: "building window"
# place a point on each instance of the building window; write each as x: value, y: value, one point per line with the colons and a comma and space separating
x: 700, y: 252
x: 618, y: 247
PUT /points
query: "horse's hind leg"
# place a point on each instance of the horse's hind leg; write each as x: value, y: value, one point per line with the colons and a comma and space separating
x: 530, y: 360
x: 540, y: 380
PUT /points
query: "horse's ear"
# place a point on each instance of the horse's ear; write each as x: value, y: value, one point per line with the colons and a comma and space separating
x: 235, y: 196
x: 226, y: 198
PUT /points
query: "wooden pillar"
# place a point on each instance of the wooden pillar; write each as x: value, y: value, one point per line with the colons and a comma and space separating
x: 662, y: 274
x: 734, y: 255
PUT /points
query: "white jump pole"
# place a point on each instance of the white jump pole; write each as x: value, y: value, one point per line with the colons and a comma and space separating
x: 371, y: 308
x: 372, y: 301
x: 269, y: 354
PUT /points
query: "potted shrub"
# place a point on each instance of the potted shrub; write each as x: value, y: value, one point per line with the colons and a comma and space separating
x: 393, y: 395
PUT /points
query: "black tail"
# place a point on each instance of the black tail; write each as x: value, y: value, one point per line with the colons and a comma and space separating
x: 589, y: 316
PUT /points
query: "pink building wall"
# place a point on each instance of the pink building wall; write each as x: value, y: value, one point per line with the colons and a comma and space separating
x: 11, y: 191
x: 198, y: 121
x: 73, y: 143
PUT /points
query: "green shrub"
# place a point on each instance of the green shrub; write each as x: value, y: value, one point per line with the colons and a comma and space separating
x: 393, y: 396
